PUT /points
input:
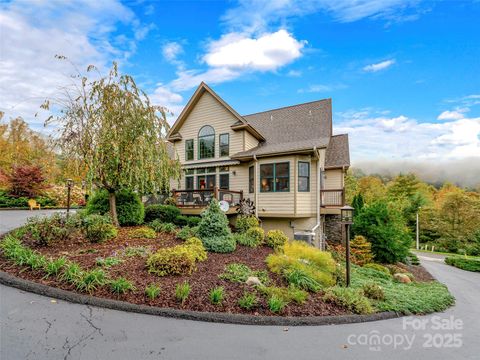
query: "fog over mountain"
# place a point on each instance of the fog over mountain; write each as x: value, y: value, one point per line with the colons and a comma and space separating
x: 462, y: 172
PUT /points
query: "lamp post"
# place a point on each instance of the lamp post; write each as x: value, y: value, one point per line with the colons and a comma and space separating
x: 347, y: 219
x: 418, y: 231
x: 69, y: 189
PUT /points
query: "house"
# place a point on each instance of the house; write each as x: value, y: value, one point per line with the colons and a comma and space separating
x: 286, y: 160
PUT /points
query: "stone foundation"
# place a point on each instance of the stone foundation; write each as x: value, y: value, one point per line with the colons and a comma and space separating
x: 334, y: 230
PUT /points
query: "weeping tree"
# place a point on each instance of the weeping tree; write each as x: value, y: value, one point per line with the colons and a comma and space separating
x: 108, y: 125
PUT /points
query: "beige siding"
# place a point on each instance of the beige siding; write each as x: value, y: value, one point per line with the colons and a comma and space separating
x: 334, y: 179
x: 250, y: 140
x: 208, y: 111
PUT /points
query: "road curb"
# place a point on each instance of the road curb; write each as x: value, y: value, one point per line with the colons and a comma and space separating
x: 241, y: 319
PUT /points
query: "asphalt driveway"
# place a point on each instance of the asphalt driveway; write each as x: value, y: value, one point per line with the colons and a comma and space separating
x: 37, y: 327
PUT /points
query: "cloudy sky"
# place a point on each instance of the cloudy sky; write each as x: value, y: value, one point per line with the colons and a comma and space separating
x: 403, y: 75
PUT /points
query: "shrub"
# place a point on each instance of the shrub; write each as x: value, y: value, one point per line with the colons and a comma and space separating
x: 169, y: 201
x: 193, y: 221
x: 386, y: 230
x: 276, y: 239
x: 195, y: 245
x: 121, y: 286
x: 130, y: 210
x: 181, y: 220
x: 373, y: 291
x: 237, y: 272
x: 158, y: 226
x: 53, y: 267
x: 187, y: 232
x: 143, y: 233
x: 276, y: 304
x: 164, y: 213
x: 244, y: 223
x: 72, y: 273
x: 248, y: 301
x: 304, y: 265
x: 216, y: 295
x: 214, y: 231
x: 141, y: 251
x: 108, y: 262
x: 177, y: 260
x: 287, y: 294
x: 45, y: 230
x: 98, y: 228
x: 361, y: 250
x: 256, y: 234
x: 412, y: 259
x: 351, y: 299
x: 377, y: 267
x: 91, y: 280
x: 463, y: 263
x: 152, y: 291
x: 182, y: 291
x: 26, y: 181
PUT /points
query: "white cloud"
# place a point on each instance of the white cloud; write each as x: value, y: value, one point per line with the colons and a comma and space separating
x: 34, y: 32
x: 266, y: 52
x: 402, y: 138
x: 171, y: 50
x: 379, y: 66
x: 453, y: 115
x: 319, y: 88
x: 294, y: 73
x: 173, y: 102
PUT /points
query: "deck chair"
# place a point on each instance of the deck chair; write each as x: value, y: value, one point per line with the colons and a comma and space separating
x: 33, y: 204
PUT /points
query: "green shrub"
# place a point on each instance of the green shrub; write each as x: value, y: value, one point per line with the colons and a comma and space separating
x: 72, y: 273
x: 248, y: 301
x: 152, y: 291
x: 158, y: 226
x: 256, y: 234
x: 108, y: 262
x: 373, y: 291
x: 45, y: 230
x: 463, y: 263
x: 170, y: 201
x: 181, y: 220
x: 276, y: 239
x: 216, y: 295
x: 303, y: 265
x: 164, y: 213
x: 287, y: 294
x: 98, y: 228
x: 276, y: 304
x: 90, y: 280
x: 412, y: 259
x: 193, y: 221
x: 182, y: 291
x: 377, y: 267
x: 121, y: 286
x: 53, y: 267
x: 187, y: 232
x: 214, y: 231
x: 142, y: 233
x: 244, y: 223
x: 195, y: 245
x: 141, y: 251
x: 237, y: 272
x: 177, y: 260
x: 351, y: 299
x: 130, y: 210
x: 361, y: 250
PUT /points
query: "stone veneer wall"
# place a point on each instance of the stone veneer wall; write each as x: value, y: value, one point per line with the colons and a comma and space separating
x: 334, y: 229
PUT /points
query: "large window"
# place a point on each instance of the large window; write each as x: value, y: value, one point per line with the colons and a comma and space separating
x: 224, y: 177
x: 224, y: 144
x: 275, y: 177
x: 251, y: 179
x: 189, y: 149
x: 206, y: 178
x: 206, y: 142
x: 303, y: 176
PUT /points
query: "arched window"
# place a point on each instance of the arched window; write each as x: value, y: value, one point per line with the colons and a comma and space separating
x: 206, y: 142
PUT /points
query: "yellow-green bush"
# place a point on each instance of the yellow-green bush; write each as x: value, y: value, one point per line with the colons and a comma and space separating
x: 256, y: 234
x: 244, y: 223
x: 276, y: 239
x: 377, y: 267
x: 195, y: 245
x: 350, y: 299
x: 177, y: 260
x: 304, y: 266
x: 142, y: 233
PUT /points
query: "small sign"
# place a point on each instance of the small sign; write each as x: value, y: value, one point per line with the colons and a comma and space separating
x: 224, y: 205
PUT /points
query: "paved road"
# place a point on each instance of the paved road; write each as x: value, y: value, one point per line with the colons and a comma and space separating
x: 36, y: 327
x: 11, y: 219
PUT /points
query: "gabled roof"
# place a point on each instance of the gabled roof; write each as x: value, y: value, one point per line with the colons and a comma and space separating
x: 292, y: 128
x: 338, y: 153
x: 174, y: 135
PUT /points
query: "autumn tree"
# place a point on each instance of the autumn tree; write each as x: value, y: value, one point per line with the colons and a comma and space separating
x: 108, y: 124
x: 26, y: 181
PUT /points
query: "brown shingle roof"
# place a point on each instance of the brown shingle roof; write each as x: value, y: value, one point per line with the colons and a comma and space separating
x: 338, y: 154
x: 292, y: 128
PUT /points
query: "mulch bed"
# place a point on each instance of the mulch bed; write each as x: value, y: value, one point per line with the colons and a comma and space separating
x: 419, y: 272
x: 201, y: 281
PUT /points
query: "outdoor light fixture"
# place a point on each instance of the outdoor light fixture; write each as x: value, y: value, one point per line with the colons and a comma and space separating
x: 346, y: 214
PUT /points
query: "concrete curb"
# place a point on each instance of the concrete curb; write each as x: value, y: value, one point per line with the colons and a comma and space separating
x: 26, y: 285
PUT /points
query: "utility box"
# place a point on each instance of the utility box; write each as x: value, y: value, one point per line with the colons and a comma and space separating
x: 307, y: 236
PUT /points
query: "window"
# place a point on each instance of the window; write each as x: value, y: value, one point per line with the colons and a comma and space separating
x: 303, y: 176
x: 251, y: 179
x: 205, y: 182
x: 206, y: 142
x: 189, y: 182
x: 275, y: 177
x: 224, y: 144
x: 189, y: 171
x: 189, y: 149
x: 224, y: 181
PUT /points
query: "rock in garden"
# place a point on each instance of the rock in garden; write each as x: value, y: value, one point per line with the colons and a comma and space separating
x: 253, y: 280
x: 402, y: 278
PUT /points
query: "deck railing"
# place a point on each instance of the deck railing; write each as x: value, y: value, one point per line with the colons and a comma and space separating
x: 333, y: 197
x: 203, y: 197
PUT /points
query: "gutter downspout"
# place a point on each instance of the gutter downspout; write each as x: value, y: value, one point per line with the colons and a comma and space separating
x: 255, y: 191
x: 318, y: 224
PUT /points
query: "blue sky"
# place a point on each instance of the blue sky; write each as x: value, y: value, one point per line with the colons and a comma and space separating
x: 404, y: 76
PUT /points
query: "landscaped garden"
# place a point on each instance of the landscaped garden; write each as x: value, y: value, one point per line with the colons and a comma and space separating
x: 161, y: 258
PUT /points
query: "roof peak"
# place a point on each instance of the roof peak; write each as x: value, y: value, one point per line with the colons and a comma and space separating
x: 289, y: 106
